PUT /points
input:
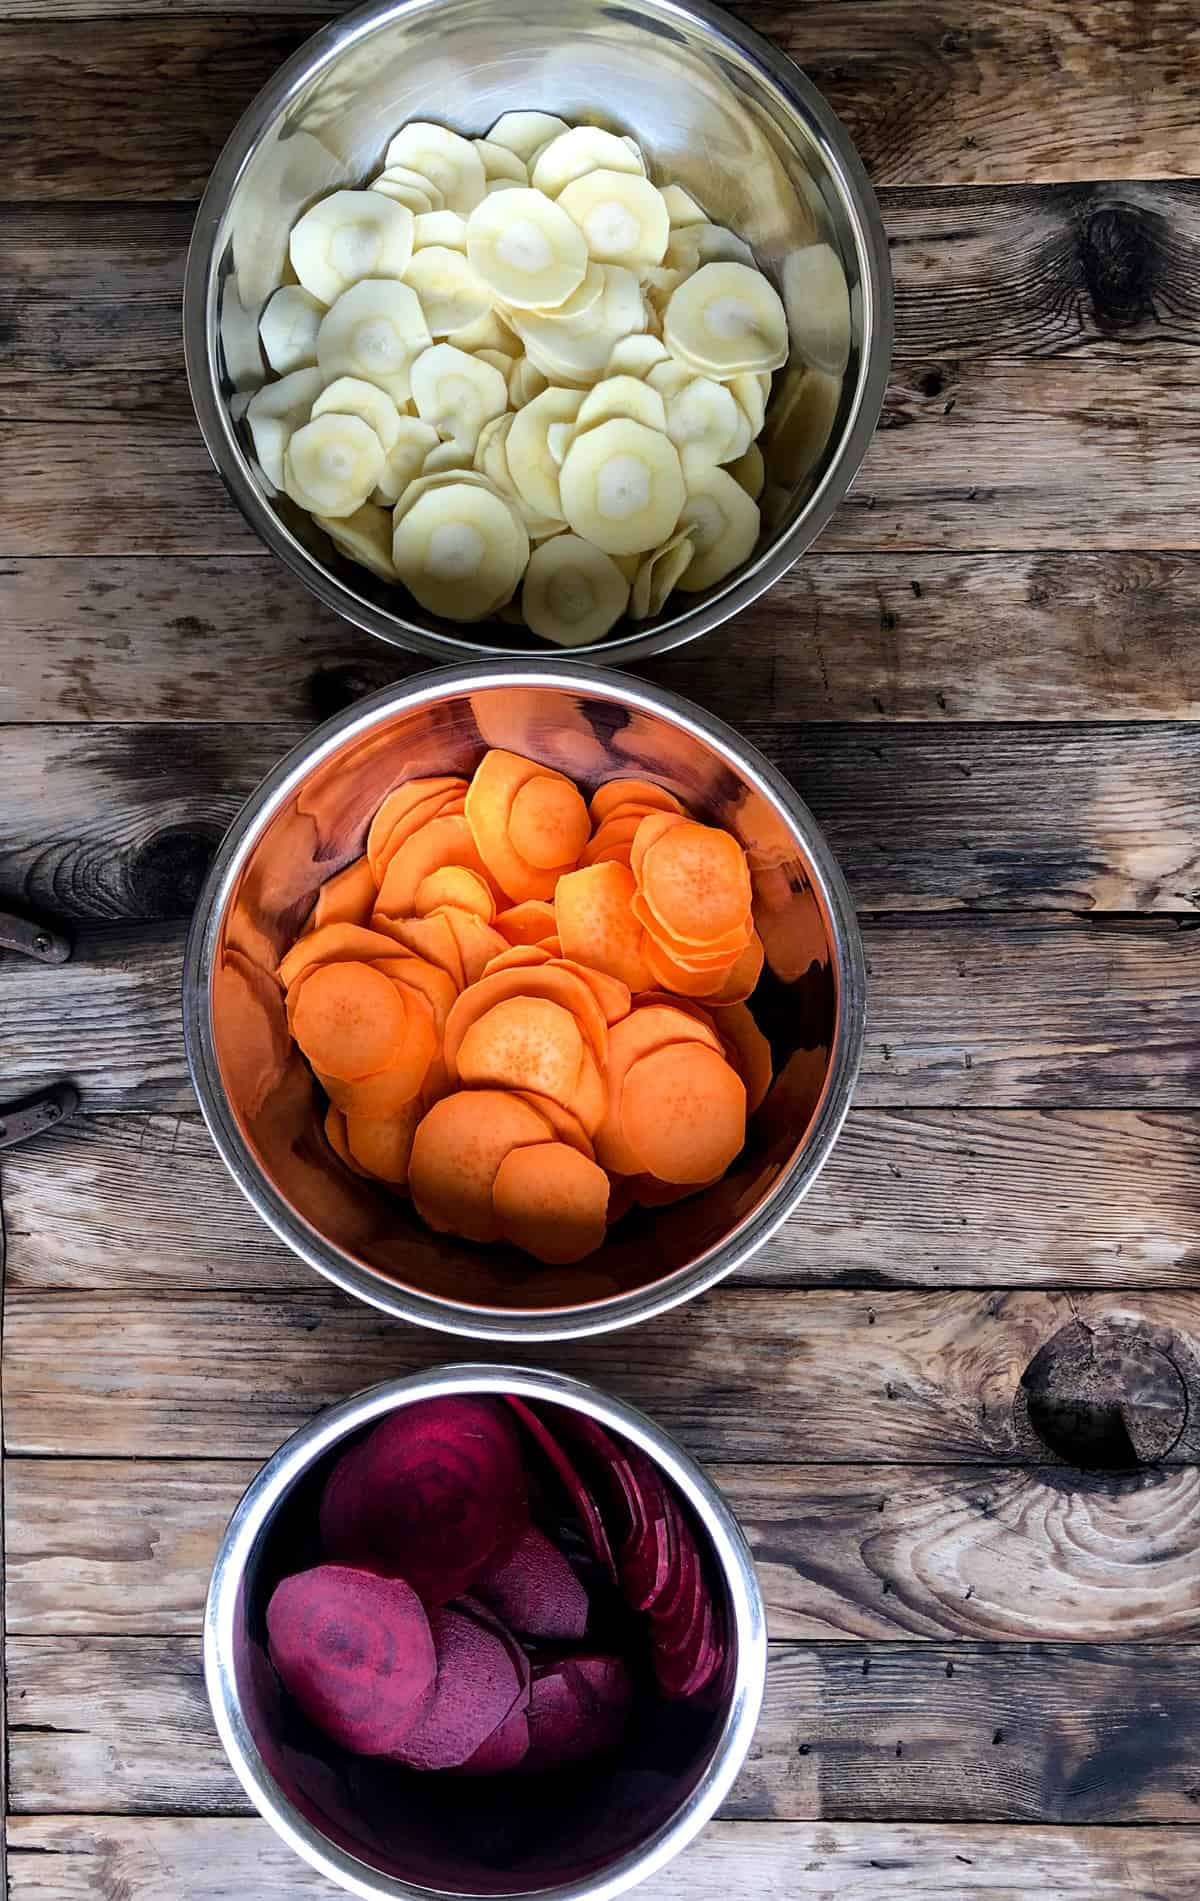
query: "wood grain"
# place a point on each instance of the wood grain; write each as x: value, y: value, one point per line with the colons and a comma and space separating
x: 118, y: 1548
x: 896, y: 1376
x: 865, y: 637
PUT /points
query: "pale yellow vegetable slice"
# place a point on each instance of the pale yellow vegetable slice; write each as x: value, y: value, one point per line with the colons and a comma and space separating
x: 375, y: 330
x: 669, y: 377
x: 499, y: 360
x: 456, y: 392
x: 348, y: 236
x: 419, y: 198
x: 800, y: 422
x: 621, y: 487
x: 351, y: 396
x: 726, y: 319
x: 741, y: 439
x: 696, y: 244
x: 622, y: 217
x: 530, y: 252
x: 406, y: 459
x: 448, y: 228
x: 490, y: 457
x: 572, y: 593
x: 659, y: 573
x: 586, y: 294
x: 625, y: 396
x: 288, y: 328
x: 275, y: 412
x: 559, y: 437
x: 500, y: 161
x: 659, y: 285
x: 331, y: 465
x: 523, y: 132
x: 682, y: 208
x: 724, y: 525
x: 490, y: 333
x: 451, y: 295
x: 365, y: 536
x: 577, y: 349
x: 460, y: 550
x: 750, y: 396
x: 585, y: 148
x: 441, y: 478
x: 417, y: 181
x: 447, y: 160
x: 817, y: 300
x: 502, y: 184
x: 636, y: 355
x: 529, y: 459
x: 629, y: 565
x: 446, y: 455
x: 704, y: 418
x: 749, y: 471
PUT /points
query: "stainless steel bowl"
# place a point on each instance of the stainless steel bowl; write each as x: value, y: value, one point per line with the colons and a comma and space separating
x: 305, y: 1801
x: 716, y: 107
x: 310, y: 816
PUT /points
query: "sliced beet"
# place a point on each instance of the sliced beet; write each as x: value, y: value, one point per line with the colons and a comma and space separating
x: 435, y: 1490
x: 472, y: 1607
x: 356, y: 1653
x: 506, y: 1748
x: 579, y: 1493
x: 578, y: 1707
x: 533, y: 1590
x: 478, y: 1686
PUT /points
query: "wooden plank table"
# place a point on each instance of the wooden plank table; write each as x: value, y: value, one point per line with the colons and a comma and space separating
x: 985, y: 1675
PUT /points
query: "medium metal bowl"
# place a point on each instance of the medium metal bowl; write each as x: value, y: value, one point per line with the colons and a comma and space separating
x: 716, y: 108
x: 631, y: 1826
x: 310, y: 817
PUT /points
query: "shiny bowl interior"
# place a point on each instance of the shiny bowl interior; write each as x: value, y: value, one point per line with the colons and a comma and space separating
x: 310, y: 817
x: 716, y: 108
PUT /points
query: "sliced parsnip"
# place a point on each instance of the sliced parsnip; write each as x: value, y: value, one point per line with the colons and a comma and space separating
x: 523, y: 132
x: 817, y: 300
x: 585, y: 148
x: 448, y: 161
x: 419, y: 199
x: 331, y: 465
x: 451, y: 295
x: 800, y: 422
x: 275, y: 412
x: 445, y: 456
x: 502, y: 184
x: 696, y: 244
x: 622, y: 217
x: 573, y: 593
x: 448, y: 228
x: 500, y: 161
x: 351, y: 396
x: 659, y: 285
x: 533, y: 467
x: 559, y: 437
x: 375, y: 330
x: 460, y: 550
x: 530, y: 252
x: 749, y: 471
x: 586, y: 294
x: 659, y: 573
x: 741, y: 439
x: 456, y: 392
x: 499, y: 360
x: 577, y: 349
x: 490, y: 333
x: 727, y: 319
x: 629, y: 565
x: 669, y: 377
x: 348, y: 236
x: 406, y: 459
x: 704, y: 417
x: 490, y: 457
x: 425, y: 484
x: 365, y: 536
x: 682, y: 208
x: 724, y: 525
x: 635, y: 355
x: 288, y: 328
x: 621, y: 486
x: 626, y: 396
x: 417, y: 181
x: 750, y: 396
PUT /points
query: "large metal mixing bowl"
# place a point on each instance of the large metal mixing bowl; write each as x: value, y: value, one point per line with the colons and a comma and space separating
x: 715, y: 107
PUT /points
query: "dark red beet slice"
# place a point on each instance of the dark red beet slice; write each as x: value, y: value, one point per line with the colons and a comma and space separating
x: 504, y: 1749
x: 578, y: 1707
x: 478, y: 1687
x: 471, y: 1607
x: 533, y: 1589
x: 434, y: 1491
x: 579, y: 1493
x: 356, y: 1652
x: 646, y: 1560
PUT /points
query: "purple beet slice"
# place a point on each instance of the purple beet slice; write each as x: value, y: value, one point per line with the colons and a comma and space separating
x: 356, y: 1653
x: 578, y: 1707
x: 533, y: 1590
x: 436, y: 1489
x: 578, y: 1492
x: 506, y: 1748
x: 477, y: 1688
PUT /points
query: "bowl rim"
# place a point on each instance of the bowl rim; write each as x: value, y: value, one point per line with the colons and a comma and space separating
x: 311, y: 1442
x: 503, y: 1323
x: 201, y: 336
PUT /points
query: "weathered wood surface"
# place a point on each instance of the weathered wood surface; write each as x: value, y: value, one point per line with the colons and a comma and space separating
x: 936, y: 1198
x: 892, y: 1376
x: 124, y: 1548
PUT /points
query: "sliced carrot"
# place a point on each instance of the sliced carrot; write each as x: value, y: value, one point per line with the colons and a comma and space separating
x: 634, y: 809
x: 333, y: 943
x: 747, y: 1049
x: 625, y: 791
x: 350, y: 1021
x: 335, y: 1135
x: 600, y: 852
x: 252, y: 1033
x: 610, y: 993
x: 346, y: 898
x: 429, y: 938
x: 441, y: 805
x: 548, y: 824
x: 544, y: 980
x: 382, y: 1144
x: 398, y: 804
x: 696, y: 880
x: 744, y: 974
x: 565, y: 1123
x: 433, y: 982
x: 617, y: 830
x: 386, y: 1091
x: 650, y: 1027
x: 596, y: 925
x: 552, y: 945
x: 456, y: 885
x: 444, y: 841
x: 688, y: 981
x: 456, y: 1152
x: 477, y: 942
x: 525, y: 923
x: 524, y: 1043
x: 650, y: 829
x: 707, y: 955
x: 519, y: 957
x: 551, y: 1201
x: 590, y: 1101
x: 683, y: 1112
x: 498, y: 778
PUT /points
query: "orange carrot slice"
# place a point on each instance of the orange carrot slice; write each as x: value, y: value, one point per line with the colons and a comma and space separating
x: 548, y: 824
x: 565, y: 1123
x: 696, y: 880
x: 590, y: 1101
x: 708, y: 955
x: 350, y: 1021
x: 444, y: 841
x: 382, y: 1144
x: 456, y: 1152
x: 619, y: 830
x: 747, y: 1049
x: 519, y: 957
x: 477, y: 942
x: 335, y: 1135
x: 333, y: 943
x: 430, y: 980
x: 688, y: 981
x: 398, y: 805
x: 552, y: 945
x: 524, y: 1043
x: 544, y: 980
x: 551, y: 1201
x: 650, y: 829
x: 441, y: 805
x: 429, y: 938
x: 346, y: 898
x: 631, y: 791
x: 525, y: 923
x: 650, y: 1027
x: 456, y: 885
x: 385, y: 1092
x: 683, y: 1111
x: 610, y: 993
x: 596, y: 925
x: 498, y: 778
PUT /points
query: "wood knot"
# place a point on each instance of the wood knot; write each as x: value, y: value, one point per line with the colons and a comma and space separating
x: 1105, y: 1398
x: 1117, y: 257
x: 167, y: 872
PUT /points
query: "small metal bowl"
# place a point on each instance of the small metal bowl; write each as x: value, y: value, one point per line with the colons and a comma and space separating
x: 716, y: 108
x: 310, y: 817
x: 627, y: 1828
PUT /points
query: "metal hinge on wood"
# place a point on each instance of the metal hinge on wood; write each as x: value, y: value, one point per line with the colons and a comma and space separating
x: 45, y: 1107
